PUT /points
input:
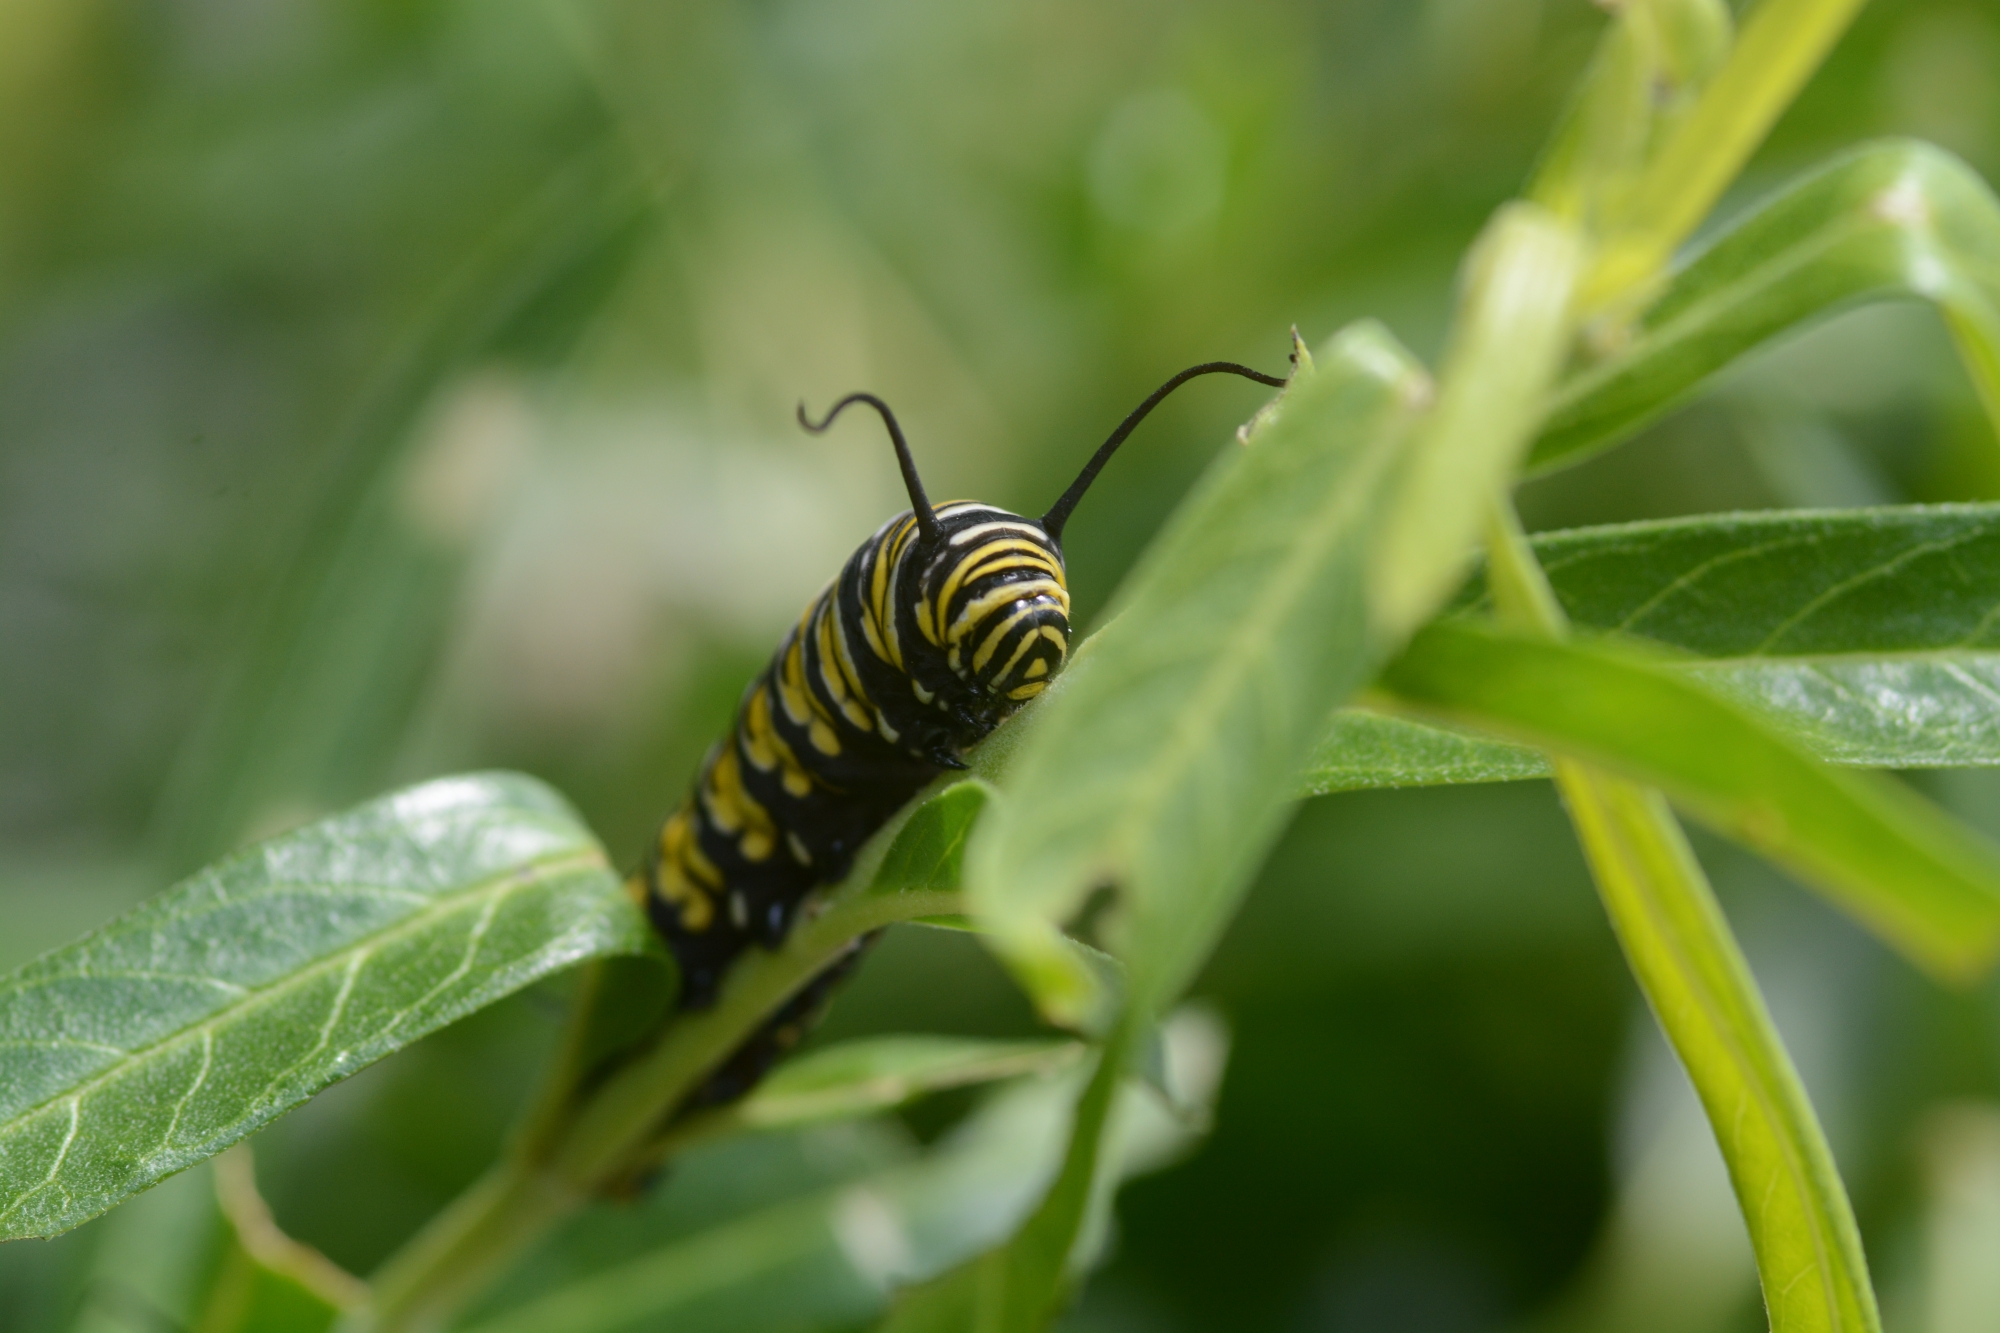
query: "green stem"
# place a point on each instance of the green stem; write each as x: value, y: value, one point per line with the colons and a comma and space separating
x: 557, y: 1168
x: 461, y: 1250
x: 620, y: 1118
x: 1778, y: 50
x: 1679, y: 947
x: 566, y: 1066
x: 1693, y: 974
x: 1040, y: 1253
x: 1975, y: 331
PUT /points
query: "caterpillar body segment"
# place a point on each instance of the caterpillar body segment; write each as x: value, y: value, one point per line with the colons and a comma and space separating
x: 941, y: 624
x: 836, y: 734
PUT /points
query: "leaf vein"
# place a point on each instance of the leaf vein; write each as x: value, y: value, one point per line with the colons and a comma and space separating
x: 55, y: 1167
x: 180, y: 1106
x: 574, y: 858
x: 1845, y: 586
x: 451, y: 978
x: 1689, y: 577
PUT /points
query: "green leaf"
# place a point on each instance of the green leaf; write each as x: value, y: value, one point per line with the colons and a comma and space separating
x: 1292, y: 569
x: 151, y: 1256
x: 1919, y: 878
x: 1779, y: 47
x: 1653, y: 58
x: 1020, y: 1286
x: 592, y: 1130
x: 176, y: 1030
x: 1809, y: 1255
x: 1891, y: 220
x: 1162, y: 757
x: 1800, y: 584
x: 1363, y: 750
x: 834, y: 1257
x: 928, y: 853
x: 1871, y: 637
x: 880, y: 1073
x: 1508, y: 340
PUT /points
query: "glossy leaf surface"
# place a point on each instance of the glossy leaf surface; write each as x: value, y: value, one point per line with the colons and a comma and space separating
x: 1872, y: 637
x: 179, y: 1028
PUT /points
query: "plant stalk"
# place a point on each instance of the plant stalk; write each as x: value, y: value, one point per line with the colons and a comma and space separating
x: 560, y: 1167
x: 463, y: 1249
x: 1693, y: 974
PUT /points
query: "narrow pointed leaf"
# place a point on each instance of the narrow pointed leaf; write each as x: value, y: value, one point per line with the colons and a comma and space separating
x: 1809, y: 1256
x: 1279, y: 584
x: 174, y: 1031
x: 928, y: 851
x: 880, y: 1073
x: 1509, y: 337
x: 1923, y: 881
x: 1022, y: 1285
x: 1018, y: 1287
x: 1873, y: 635
x: 1363, y: 750
x: 1779, y: 47
x: 1891, y: 220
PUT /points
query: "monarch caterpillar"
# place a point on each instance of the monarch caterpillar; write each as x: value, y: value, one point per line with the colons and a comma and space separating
x: 938, y: 626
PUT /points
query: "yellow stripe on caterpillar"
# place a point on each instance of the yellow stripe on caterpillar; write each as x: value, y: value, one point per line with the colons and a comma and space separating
x: 734, y: 811
x: 685, y: 877
x: 848, y: 670
x: 991, y: 643
x: 978, y: 530
x: 829, y: 672
x: 979, y: 608
x: 766, y: 749
x: 992, y: 558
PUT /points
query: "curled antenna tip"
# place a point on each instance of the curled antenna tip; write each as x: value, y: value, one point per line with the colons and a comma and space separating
x: 1058, y: 515
x: 920, y: 504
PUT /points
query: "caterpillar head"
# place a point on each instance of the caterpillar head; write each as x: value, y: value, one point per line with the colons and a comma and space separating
x: 992, y: 596
x: 995, y: 602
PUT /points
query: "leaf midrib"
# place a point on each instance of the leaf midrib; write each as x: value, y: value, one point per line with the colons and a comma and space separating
x: 539, y: 870
x: 1205, y: 709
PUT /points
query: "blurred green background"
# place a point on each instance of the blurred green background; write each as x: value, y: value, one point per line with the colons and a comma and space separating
x: 393, y: 388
